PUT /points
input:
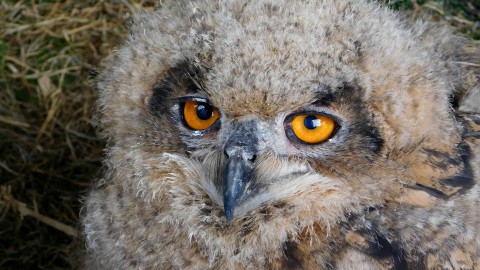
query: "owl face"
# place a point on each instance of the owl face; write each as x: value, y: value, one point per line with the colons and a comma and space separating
x: 228, y: 118
x: 252, y: 157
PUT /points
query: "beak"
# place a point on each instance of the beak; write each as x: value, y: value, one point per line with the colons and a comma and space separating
x: 241, y: 149
x: 237, y: 173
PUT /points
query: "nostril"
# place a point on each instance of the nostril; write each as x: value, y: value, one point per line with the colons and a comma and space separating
x: 240, y: 152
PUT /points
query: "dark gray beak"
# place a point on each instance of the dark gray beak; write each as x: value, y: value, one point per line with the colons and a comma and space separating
x: 240, y: 149
x: 237, y: 174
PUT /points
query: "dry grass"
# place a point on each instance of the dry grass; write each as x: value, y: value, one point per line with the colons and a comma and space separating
x: 49, y: 151
x: 464, y: 15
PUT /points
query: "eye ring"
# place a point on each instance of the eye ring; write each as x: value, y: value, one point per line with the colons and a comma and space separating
x: 198, y: 114
x: 311, y: 128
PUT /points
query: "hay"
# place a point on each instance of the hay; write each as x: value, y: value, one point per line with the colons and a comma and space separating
x: 49, y: 151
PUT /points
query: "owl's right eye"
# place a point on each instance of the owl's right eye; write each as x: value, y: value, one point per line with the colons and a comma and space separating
x: 199, y: 115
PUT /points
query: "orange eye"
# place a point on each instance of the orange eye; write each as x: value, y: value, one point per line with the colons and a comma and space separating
x: 199, y: 115
x: 313, y: 128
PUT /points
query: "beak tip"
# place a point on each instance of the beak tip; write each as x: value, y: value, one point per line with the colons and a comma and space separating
x: 229, y: 215
x: 229, y: 209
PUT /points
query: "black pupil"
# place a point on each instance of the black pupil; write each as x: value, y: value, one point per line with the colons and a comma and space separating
x: 311, y: 122
x: 204, y: 111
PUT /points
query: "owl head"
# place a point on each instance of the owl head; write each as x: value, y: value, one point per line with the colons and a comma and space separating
x: 234, y: 122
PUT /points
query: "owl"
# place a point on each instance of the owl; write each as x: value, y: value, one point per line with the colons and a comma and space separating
x: 286, y: 134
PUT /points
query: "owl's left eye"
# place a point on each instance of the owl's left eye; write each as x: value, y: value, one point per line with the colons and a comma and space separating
x: 312, y: 128
x: 199, y: 115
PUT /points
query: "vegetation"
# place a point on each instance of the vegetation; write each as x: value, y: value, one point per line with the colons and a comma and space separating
x: 464, y: 15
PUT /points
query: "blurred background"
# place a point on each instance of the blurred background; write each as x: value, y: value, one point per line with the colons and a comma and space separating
x: 49, y: 152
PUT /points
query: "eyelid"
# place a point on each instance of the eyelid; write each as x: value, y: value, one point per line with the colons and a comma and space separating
x: 194, y: 98
x: 317, y: 111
